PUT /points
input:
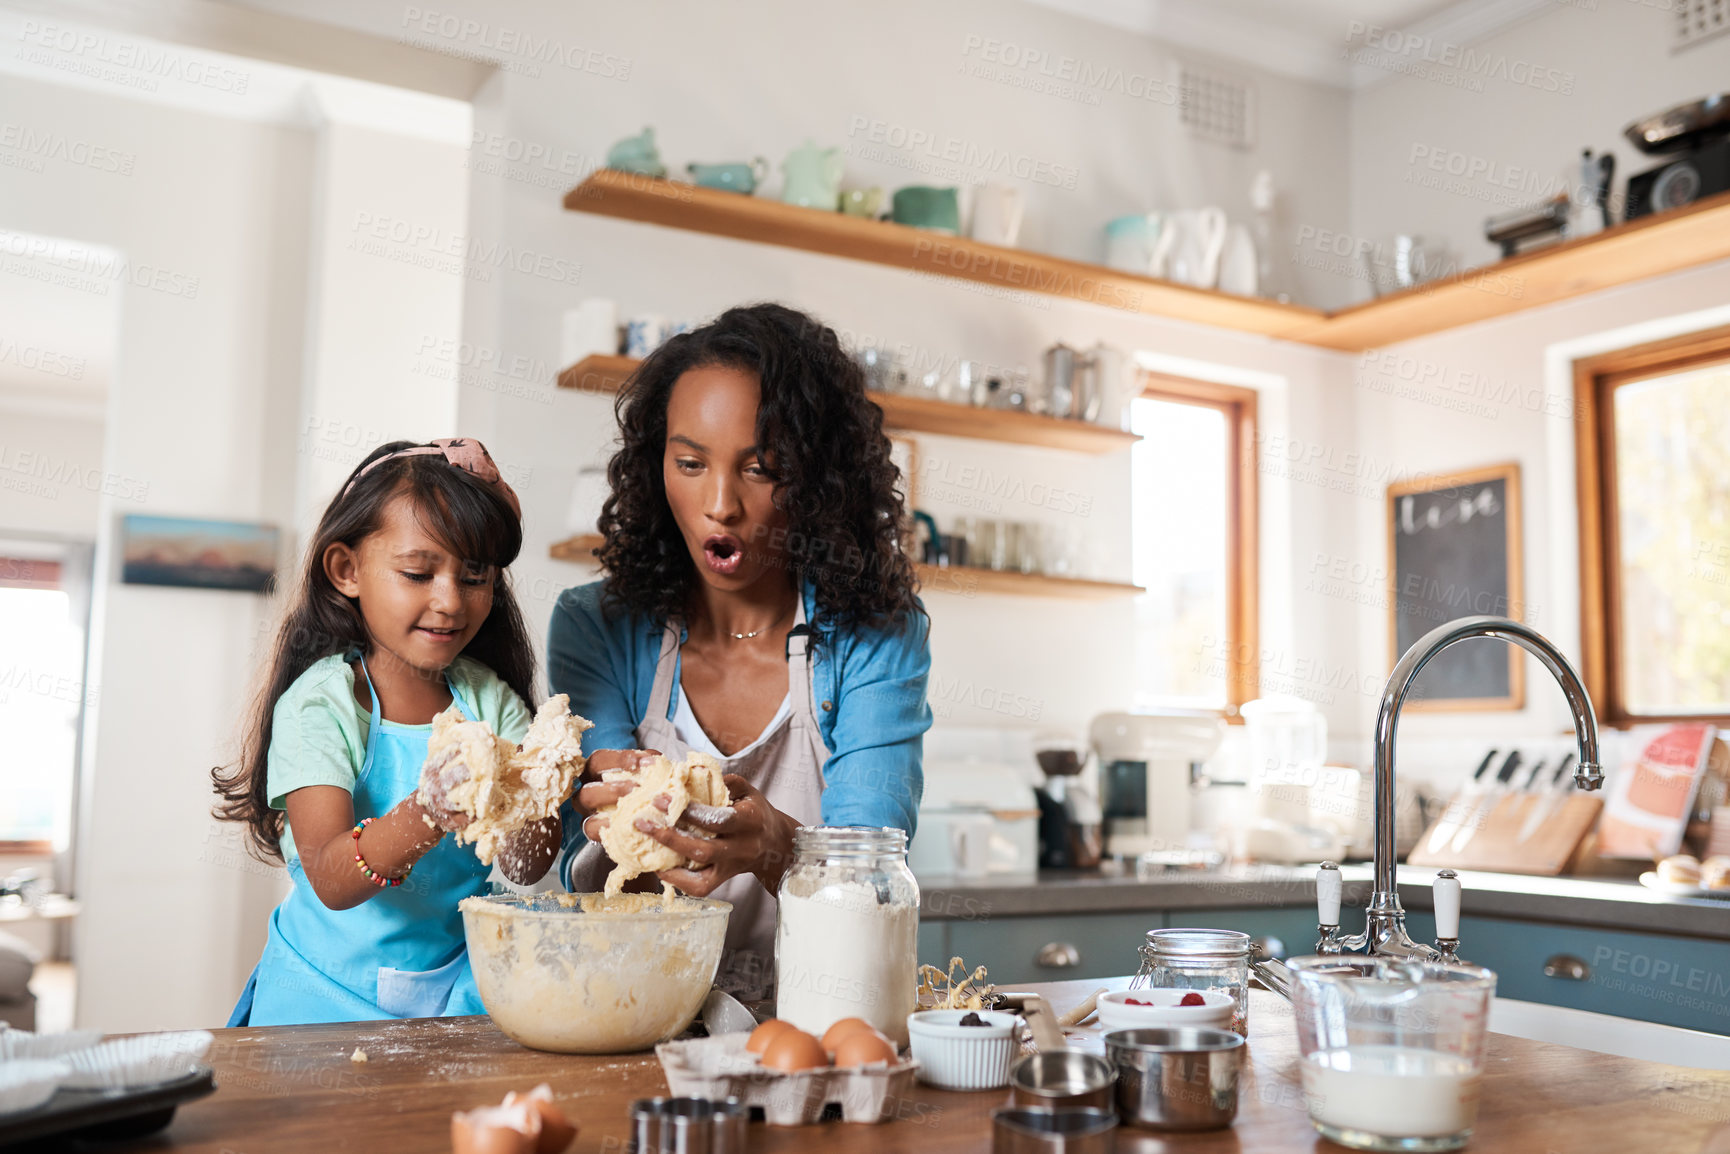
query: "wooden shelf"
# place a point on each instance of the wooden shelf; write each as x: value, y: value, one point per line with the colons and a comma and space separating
x: 902, y: 413
x: 913, y: 414
x: 688, y: 206
x: 580, y: 549
x: 967, y: 581
x: 1651, y: 246
x: 598, y: 374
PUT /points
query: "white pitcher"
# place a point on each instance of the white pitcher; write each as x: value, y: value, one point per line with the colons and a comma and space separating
x: 1190, y: 245
x: 997, y: 210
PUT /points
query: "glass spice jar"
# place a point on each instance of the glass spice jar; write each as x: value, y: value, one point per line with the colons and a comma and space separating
x: 1199, y: 959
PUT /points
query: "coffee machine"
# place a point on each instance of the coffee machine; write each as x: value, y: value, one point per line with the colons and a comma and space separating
x: 1069, y: 820
x: 1147, y: 762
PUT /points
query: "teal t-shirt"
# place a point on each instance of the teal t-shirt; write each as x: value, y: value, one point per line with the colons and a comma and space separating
x: 318, y: 730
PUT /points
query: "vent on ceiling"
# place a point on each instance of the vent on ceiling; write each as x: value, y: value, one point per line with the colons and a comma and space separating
x: 1219, y: 108
x: 1697, y: 20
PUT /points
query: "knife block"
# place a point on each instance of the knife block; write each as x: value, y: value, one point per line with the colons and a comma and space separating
x: 1495, y: 845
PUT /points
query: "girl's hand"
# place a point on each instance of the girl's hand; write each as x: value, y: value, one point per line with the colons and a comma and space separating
x: 751, y: 838
x: 437, y: 779
x: 595, y: 794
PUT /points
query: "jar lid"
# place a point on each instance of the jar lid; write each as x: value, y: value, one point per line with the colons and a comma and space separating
x: 849, y: 839
x: 1198, y: 942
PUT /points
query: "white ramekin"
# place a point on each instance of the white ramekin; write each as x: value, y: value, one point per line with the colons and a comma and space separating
x: 957, y: 1057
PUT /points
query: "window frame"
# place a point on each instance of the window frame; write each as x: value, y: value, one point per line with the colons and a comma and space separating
x: 1243, y: 551
x: 1596, y: 380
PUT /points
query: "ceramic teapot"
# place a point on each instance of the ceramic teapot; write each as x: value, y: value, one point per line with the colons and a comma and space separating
x: 637, y: 154
x: 813, y: 177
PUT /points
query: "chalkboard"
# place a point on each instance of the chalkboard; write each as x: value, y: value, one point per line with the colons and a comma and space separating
x: 1454, y: 548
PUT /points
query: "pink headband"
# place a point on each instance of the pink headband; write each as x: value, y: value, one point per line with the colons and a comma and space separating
x: 464, y: 453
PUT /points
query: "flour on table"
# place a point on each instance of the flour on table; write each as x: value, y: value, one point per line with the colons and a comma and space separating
x: 507, y: 787
x: 634, y: 853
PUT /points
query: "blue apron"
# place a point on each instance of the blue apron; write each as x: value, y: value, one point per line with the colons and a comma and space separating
x: 400, y: 953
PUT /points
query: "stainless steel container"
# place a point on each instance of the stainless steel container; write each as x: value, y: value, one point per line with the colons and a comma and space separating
x: 1061, y: 1078
x: 1183, y: 1078
x: 688, y: 1126
x: 1021, y: 1130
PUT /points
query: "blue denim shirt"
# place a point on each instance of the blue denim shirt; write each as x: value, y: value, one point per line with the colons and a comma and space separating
x: 869, y: 686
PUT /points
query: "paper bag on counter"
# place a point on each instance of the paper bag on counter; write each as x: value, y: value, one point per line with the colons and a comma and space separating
x: 1651, y: 797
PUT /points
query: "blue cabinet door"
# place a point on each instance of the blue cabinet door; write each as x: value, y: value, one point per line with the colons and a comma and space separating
x: 1653, y: 977
x: 934, y: 944
x: 1105, y: 945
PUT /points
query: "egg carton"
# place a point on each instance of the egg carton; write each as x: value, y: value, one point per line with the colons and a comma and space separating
x: 721, y: 1067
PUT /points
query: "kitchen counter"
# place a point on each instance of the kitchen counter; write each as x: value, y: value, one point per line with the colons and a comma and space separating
x: 294, y: 1089
x: 1606, y: 903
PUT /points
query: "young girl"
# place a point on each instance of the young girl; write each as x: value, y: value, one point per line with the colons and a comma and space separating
x: 404, y: 607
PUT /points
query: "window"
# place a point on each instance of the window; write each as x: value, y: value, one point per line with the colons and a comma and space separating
x: 41, y: 698
x: 1194, y: 548
x: 1654, y: 463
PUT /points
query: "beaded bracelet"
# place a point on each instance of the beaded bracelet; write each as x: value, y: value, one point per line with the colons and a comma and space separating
x: 376, y: 879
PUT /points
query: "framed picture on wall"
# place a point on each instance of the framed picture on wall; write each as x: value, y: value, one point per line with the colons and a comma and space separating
x: 1454, y: 550
x: 197, y: 554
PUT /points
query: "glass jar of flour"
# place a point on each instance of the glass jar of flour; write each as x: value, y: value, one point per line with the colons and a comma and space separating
x: 846, y: 936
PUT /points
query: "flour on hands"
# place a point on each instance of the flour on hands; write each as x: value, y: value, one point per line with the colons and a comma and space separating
x: 499, y: 786
x: 695, y: 782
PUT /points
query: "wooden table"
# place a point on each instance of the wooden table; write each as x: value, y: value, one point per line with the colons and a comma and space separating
x: 295, y: 1089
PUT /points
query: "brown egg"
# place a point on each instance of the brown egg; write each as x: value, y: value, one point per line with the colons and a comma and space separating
x: 863, y: 1047
x: 494, y: 1130
x: 833, y: 1035
x: 766, y: 1033
x: 557, y: 1131
x: 794, y: 1050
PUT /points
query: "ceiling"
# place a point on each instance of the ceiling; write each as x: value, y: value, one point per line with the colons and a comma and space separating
x: 1305, y: 39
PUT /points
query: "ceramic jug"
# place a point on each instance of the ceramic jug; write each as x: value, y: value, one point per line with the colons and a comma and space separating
x: 637, y: 154
x: 813, y: 177
x: 997, y: 211
x: 1131, y: 241
x: 740, y: 177
x: 1190, y: 245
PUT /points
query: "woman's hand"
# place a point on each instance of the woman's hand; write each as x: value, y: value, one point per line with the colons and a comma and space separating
x: 753, y: 837
x: 595, y: 795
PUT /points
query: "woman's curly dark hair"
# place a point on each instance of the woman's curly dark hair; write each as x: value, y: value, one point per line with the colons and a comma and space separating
x: 821, y: 437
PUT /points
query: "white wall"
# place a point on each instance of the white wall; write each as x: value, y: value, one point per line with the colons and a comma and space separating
x: 197, y: 402
x: 1591, y: 69
x: 1507, y: 396
x: 51, y: 474
x: 262, y: 322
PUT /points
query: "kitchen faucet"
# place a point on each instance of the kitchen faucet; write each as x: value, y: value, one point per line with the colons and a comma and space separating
x: 1385, y: 926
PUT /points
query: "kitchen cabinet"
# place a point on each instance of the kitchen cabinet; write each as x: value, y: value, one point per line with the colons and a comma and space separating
x: 1662, y: 978
x: 1017, y: 950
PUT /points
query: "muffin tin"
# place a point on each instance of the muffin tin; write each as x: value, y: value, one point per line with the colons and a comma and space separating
x: 721, y: 1067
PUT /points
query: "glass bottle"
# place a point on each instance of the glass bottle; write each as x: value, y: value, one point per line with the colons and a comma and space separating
x: 847, y: 929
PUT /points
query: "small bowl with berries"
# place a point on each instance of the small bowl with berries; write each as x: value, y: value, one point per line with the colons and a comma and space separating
x: 1139, y: 1009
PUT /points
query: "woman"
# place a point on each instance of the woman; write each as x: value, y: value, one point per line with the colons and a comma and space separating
x: 756, y: 607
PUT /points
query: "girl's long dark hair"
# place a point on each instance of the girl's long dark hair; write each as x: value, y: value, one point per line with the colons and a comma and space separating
x: 470, y: 519
x: 820, y: 436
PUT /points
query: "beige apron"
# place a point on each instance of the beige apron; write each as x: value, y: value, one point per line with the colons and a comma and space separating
x: 787, y: 768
